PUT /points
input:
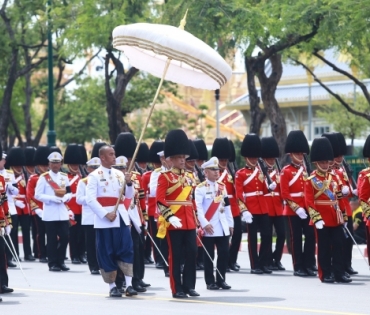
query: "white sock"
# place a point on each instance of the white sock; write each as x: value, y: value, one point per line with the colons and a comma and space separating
x: 128, y: 280
x: 111, y: 285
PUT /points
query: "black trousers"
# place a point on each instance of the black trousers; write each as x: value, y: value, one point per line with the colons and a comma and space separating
x: 153, y: 229
x: 302, y: 258
x: 348, y: 245
x: 222, y: 245
x: 56, y: 249
x: 25, y: 223
x: 34, y: 236
x: 40, y: 242
x: 90, y: 247
x: 163, y: 246
x: 3, y: 264
x: 278, y: 223
x: 260, y: 223
x: 77, y: 239
x: 14, y: 238
x: 182, y: 246
x: 138, y: 263
x: 235, y: 240
x: 200, y: 253
x: 330, y: 243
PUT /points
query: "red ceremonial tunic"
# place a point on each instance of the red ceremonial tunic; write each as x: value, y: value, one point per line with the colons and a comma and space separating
x: 151, y: 202
x: 4, y: 209
x: 72, y: 204
x: 344, y: 181
x: 323, y: 203
x: 273, y: 199
x: 363, y: 188
x: 291, y: 189
x: 231, y: 194
x: 250, y: 190
x: 170, y: 186
x: 22, y: 196
x: 30, y: 192
x: 139, y: 195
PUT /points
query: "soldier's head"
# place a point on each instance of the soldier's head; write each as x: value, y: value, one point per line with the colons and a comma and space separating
x: 251, y: 149
x: 178, y: 161
x: 211, y: 169
x: 190, y: 164
x: 55, y: 161
x: 223, y: 163
x: 297, y: 157
x: 322, y: 154
x: 338, y: 160
x: 323, y: 166
x: 92, y: 164
x: 121, y: 164
x: 107, y: 156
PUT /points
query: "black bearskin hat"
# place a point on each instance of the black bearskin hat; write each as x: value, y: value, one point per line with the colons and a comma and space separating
x: 342, y: 143
x: 143, y: 153
x: 96, y: 148
x: 202, y: 149
x: 232, y: 158
x: 321, y: 150
x: 72, y: 155
x: 157, y: 146
x: 41, y: 155
x: 251, y: 146
x: 176, y: 143
x: 366, y: 149
x: 15, y: 157
x: 29, y: 154
x: 270, y: 148
x: 54, y: 148
x: 125, y: 145
x: 193, y: 151
x: 333, y: 138
x: 297, y: 142
x: 83, y: 153
x: 221, y: 149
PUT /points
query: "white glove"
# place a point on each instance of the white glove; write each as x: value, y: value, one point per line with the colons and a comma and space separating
x: 345, y: 190
x: 355, y: 192
x: 319, y: 224
x: 146, y: 225
x: 301, y: 213
x: 175, y: 221
x: 38, y: 212
x: 272, y: 186
x: 8, y: 229
x: 71, y: 214
x: 2, y: 231
x: 247, y: 217
x: 12, y: 190
x: 56, y: 199
x: 20, y: 204
x: 67, y: 197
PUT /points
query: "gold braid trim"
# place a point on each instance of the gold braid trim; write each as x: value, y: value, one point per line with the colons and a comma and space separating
x: 314, y: 214
x: 345, y: 216
x: 292, y: 205
x: 166, y: 212
x: 33, y: 205
x: 242, y: 206
x: 365, y: 208
x: 2, y: 223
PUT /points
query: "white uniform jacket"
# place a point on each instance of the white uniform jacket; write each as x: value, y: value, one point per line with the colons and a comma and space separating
x: 153, y: 183
x: 10, y: 189
x: 54, y: 209
x: 87, y: 214
x: 107, y: 183
x: 222, y: 220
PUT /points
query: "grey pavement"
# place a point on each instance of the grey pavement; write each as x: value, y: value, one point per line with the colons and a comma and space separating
x: 78, y: 292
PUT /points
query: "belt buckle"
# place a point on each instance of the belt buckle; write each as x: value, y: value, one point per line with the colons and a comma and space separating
x: 272, y: 194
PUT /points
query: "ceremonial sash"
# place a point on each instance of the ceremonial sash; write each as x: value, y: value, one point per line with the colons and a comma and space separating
x: 74, y: 179
x: 224, y: 173
x: 162, y: 223
x: 212, y: 210
x: 247, y: 181
x: 18, y: 179
x: 296, y: 176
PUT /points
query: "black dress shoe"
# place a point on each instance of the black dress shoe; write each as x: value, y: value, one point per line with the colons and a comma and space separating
x: 266, y: 270
x: 311, y: 273
x: 256, y: 271
x: 192, y: 292
x: 11, y: 264
x: 83, y: 260
x: 114, y: 292
x: 143, y: 284
x: 43, y: 260
x: 224, y: 285
x: 54, y: 268
x: 328, y: 279
x: 130, y: 291
x: 63, y: 267
x: 197, y: 267
x: 236, y: 264
x: 301, y: 273
x: 150, y: 259
x: 1, y: 299
x: 179, y: 295
x: 5, y: 289
x: 201, y: 265
x: 279, y: 266
x: 95, y: 272
x: 167, y: 274
x: 234, y: 267
x: 228, y: 269
x: 273, y: 267
x: 160, y: 265
x: 76, y: 261
x: 343, y: 279
x: 213, y: 286
x: 29, y: 258
x: 350, y: 271
x: 314, y: 268
x: 139, y: 288
x: 346, y: 274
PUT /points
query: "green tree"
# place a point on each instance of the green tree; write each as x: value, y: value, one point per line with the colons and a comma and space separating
x: 161, y: 122
x: 80, y: 114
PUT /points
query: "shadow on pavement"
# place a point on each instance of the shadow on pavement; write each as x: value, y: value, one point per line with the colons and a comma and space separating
x: 233, y: 299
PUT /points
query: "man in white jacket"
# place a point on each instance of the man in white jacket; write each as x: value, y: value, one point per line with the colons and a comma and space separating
x: 113, y: 238
x: 216, y: 220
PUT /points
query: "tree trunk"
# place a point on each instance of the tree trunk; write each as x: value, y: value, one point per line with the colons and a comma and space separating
x: 256, y: 113
x: 116, y: 122
x: 28, y: 101
x: 271, y: 106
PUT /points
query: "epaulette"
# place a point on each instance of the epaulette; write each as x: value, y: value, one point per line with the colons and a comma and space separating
x: 202, y: 184
x: 220, y: 183
x: 158, y: 169
x: 43, y: 174
x: 310, y: 177
x: 84, y: 179
x: 9, y: 171
x: 136, y: 173
x: 62, y: 173
x: 165, y: 171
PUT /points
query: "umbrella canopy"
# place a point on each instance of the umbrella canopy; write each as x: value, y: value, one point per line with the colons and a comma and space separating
x: 193, y: 62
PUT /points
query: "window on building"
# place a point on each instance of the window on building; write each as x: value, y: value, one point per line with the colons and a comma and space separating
x: 320, y: 130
